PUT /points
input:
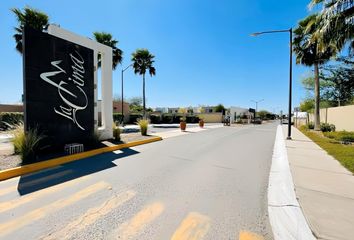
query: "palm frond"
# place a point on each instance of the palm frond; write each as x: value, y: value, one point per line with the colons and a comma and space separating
x: 107, y: 39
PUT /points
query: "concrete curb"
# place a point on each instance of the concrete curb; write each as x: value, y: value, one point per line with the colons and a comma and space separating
x: 30, y: 168
x: 285, y: 214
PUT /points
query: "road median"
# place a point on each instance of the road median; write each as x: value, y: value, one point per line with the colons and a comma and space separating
x: 34, y: 167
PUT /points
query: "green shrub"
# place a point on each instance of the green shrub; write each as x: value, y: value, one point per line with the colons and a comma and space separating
x: 177, y: 118
x: 116, y: 132
x: 117, y: 117
x: 326, y: 127
x: 303, y: 128
x: 9, y: 120
x: 133, y: 118
x: 143, y: 123
x: 341, y: 136
x: 310, y: 125
x: 167, y: 118
x: 192, y: 119
x: 154, y: 118
x: 26, y: 144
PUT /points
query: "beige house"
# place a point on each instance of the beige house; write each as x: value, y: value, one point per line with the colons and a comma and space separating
x: 11, y: 107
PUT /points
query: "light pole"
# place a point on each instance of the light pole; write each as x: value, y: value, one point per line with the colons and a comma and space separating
x: 255, y: 114
x: 290, y: 31
x: 123, y: 70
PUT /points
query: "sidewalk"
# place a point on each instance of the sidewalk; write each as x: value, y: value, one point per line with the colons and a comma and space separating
x: 324, y: 188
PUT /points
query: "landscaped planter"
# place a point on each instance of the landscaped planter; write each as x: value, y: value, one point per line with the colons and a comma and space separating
x: 201, y: 123
x: 183, y: 125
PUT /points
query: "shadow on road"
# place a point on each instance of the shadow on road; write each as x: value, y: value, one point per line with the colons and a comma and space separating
x: 53, y: 176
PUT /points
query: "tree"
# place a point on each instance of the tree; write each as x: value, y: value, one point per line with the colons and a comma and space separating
x: 340, y: 82
x: 137, y: 101
x: 135, y: 104
x: 308, y: 83
x: 307, y: 53
x: 143, y: 61
x: 307, y: 105
x: 263, y: 114
x: 30, y: 17
x: 336, y: 83
x: 107, y: 39
x: 336, y: 27
x: 219, y: 108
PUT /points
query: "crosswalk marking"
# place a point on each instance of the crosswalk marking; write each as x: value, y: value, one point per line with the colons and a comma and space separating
x: 6, y: 206
x: 10, y: 226
x: 194, y: 227
x: 139, y: 221
x: 244, y: 235
x: 46, y: 178
x: 15, y: 185
x: 91, y: 216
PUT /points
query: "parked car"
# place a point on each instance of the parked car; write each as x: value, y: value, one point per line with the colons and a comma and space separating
x: 257, y: 121
x: 285, y: 121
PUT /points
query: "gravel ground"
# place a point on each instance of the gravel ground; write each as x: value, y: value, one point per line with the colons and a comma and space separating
x: 129, y: 137
x: 7, y: 157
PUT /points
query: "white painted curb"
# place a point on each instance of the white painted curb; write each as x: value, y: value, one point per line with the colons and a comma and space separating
x: 285, y: 214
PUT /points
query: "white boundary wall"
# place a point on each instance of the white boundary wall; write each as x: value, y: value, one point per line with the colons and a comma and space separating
x: 341, y: 117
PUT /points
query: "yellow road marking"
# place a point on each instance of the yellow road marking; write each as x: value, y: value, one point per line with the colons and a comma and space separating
x: 6, y: 206
x: 46, y: 178
x: 194, y: 227
x: 139, y: 221
x: 14, y: 187
x: 10, y: 226
x: 244, y: 235
x: 91, y: 216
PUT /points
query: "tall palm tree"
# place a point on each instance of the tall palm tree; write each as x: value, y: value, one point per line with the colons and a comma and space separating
x: 107, y: 39
x: 143, y: 60
x: 337, y: 23
x: 308, y: 54
x: 30, y: 17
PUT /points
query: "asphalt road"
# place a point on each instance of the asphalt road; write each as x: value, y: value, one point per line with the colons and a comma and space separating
x: 206, y: 185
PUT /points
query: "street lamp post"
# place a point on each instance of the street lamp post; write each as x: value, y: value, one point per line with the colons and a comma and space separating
x: 290, y: 31
x: 123, y: 70
x: 255, y: 114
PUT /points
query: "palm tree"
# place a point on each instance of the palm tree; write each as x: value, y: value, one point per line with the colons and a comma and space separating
x: 337, y: 23
x: 143, y: 60
x: 308, y: 54
x: 107, y: 39
x: 30, y: 17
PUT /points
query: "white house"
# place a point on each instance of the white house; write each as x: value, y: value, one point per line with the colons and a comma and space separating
x: 237, y: 112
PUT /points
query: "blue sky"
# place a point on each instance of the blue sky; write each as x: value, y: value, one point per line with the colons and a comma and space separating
x: 204, y: 54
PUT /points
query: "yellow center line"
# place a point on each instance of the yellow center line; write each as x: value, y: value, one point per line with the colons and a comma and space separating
x: 244, y: 235
x: 10, y: 226
x: 139, y: 221
x: 6, y: 206
x: 91, y: 216
x: 194, y: 227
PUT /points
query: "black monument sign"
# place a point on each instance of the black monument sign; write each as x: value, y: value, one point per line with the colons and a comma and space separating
x: 58, y: 88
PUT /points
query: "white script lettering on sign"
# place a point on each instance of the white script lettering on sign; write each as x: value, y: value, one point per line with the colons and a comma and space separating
x: 69, y: 107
